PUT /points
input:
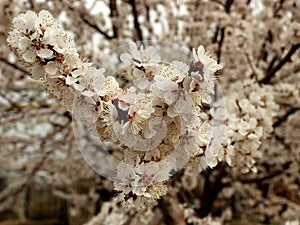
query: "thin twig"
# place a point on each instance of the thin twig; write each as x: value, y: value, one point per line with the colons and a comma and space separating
x: 261, y: 178
x: 251, y: 65
x: 249, y: 62
x: 285, y: 59
x: 284, y: 117
x: 95, y: 27
x: 219, y: 2
x: 215, y: 37
x: 90, y: 24
x: 13, y: 65
x: 220, y: 44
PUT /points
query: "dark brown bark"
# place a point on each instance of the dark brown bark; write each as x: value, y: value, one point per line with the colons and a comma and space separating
x: 284, y: 60
x: 135, y: 20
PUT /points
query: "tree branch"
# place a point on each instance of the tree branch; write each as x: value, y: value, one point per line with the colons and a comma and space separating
x: 251, y: 66
x: 14, y: 191
x: 90, y: 24
x: 219, y: 2
x: 135, y: 20
x: 164, y: 209
x: 277, y: 9
x: 261, y: 178
x: 114, y: 14
x: 285, y: 59
x: 215, y: 37
x: 228, y: 5
x: 220, y: 44
x: 13, y: 65
x: 284, y: 117
x: 32, y: 4
x: 211, y: 191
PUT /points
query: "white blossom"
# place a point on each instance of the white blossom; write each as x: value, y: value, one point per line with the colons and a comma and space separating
x: 206, y: 59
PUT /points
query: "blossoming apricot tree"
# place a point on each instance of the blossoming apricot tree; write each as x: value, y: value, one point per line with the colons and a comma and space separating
x: 153, y: 116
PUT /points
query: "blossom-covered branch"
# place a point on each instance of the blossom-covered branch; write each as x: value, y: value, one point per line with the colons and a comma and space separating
x: 153, y: 115
x: 162, y: 129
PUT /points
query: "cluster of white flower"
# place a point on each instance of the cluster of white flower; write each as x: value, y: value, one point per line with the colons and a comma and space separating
x: 157, y: 123
x: 251, y: 110
x: 48, y: 53
x: 163, y: 129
